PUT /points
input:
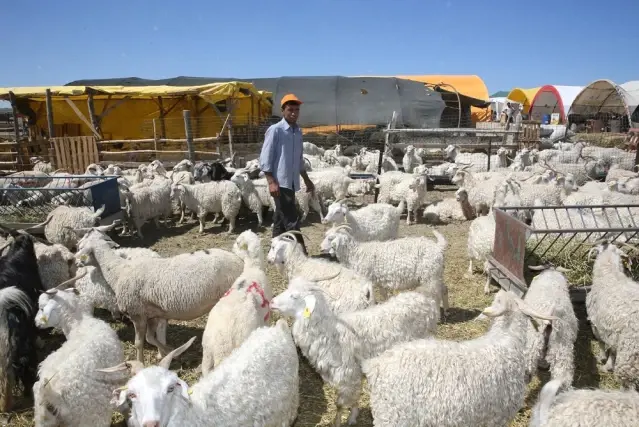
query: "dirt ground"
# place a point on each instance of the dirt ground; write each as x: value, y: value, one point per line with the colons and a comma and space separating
x: 316, y: 400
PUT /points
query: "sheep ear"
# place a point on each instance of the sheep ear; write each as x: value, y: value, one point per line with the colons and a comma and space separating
x: 184, y: 388
x: 118, y: 397
x: 310, y: 301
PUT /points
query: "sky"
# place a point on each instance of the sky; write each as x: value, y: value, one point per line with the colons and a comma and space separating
x: 508, y: 44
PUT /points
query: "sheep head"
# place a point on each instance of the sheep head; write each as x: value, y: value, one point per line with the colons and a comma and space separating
x: 248, y: 245
x: 152, y: 392
x: 301, y: 299
x: 505, y: 303
x: 336, y: 238
x: 336, y: 213
x: 461, y: 195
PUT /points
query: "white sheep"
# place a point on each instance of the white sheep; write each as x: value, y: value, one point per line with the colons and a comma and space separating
x: 584, y: 408
x: 40, y: 165
x: 345, y: 289
x: 258, y: 384
x: 312, y: 149
x: 411, y: 188
x: 378, y: 221
x: 613, y: 310
x: 242, y: 309
x: 59, y: 225
x: 481, y: 192
x: 180, y: 287
x: 552, y: 344
x: 69, y: 390
x: 411, y: 159
x: 215, y: 196
x: 398, y: 264
x: 146, y: 203
x: 333, y: 153
x: 457, y: 209
x: 481, y: 381
x: 251, y: 197
x: 335, y: 345
x: 481, y: 236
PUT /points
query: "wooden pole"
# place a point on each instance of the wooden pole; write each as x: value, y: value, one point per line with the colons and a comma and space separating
x: 229, y: 108
x: 391, y: 125
x: 162, y: 123
x: 16, y: 127
x: 189, y: 134
x: 92, y: 116
x: 49, y: 105
x: 155, y: 137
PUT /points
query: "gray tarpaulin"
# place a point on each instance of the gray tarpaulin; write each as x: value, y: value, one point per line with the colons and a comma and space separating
x: 330, y: 100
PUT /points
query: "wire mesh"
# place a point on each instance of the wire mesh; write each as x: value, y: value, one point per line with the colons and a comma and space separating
x: 31, y: 199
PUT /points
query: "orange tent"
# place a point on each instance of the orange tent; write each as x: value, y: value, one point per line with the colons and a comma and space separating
x: 469, y: 85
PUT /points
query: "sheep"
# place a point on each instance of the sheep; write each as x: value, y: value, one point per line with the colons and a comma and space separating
x: 345, y: 289
x: 242, y: 309
x: 584, y: 408
x: 19, y: 288
x: 250, y: 195
x: 552, y: 344
x: 481, y: 236
x: 40, y: 165
x: 335, y: 345
x: 361, y: 187
x: 411, y: 188
x: 333, y: 153
x: 330, y: 183
x: 410, y: 159
x: 48, y: 192
x: 218, y: 196
x: 457, y: 209
x: 180, y: 287
x: 149, y: 203
x: 379, y: 221
x: 233, y: 394
x: 70, y: 391
x: 60, y: 221
x: 310, y: 148
x: 627, y: 185
x: 582, y: 172
x: 397, y: 264
x: 477, y: 161
x: 613, y: 310
x: 418, y: 383
x: 481, y: 193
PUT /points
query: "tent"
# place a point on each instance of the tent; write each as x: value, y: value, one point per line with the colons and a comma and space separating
x: 497, y: 105
x: 336, y: 100
x: 523, y: 96
x: 553, y: 99
x: 471, y: 87
x: 606, y: 97
x: 128, y: 112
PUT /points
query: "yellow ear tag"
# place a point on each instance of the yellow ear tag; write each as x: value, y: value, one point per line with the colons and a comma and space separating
x: 190, y: 391
x: 310, y: 306
x: 84, y: 257
x: 307, y: 313
x: 244, y: 246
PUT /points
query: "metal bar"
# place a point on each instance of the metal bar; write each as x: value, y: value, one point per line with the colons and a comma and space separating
x: 49, y: 105
x: 537, y: 245
x: 550, y: 246
x: 569, y: 207
x: 452, y: 130
x: 567, y: 242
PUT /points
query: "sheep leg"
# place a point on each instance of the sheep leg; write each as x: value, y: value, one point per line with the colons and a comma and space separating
x: 5, y: 394
x: 260, y: 218
x: 182, y: 209
x: 352, y: 418
x: 487, y: 285
x: 201, y: 215
x: 610, y: 364
x: 445, y: 305
x: 603, y: 352
x: 140, y: 326
x: 231, y: 219
x: 156, y: 336
x: 156, y: 221
x: 207, y: 363
x: 43, y: 417
x: 408, y: 211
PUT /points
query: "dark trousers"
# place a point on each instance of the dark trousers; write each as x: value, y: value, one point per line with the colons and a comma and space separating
x: 286, y: 217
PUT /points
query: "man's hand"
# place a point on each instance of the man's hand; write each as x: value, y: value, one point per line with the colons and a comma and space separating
x: 310, y: 187
x: 274, y: 188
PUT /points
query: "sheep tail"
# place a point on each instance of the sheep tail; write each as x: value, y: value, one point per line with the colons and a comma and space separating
x: 441, y: 240
x: 546, y: 399
x: 401, y: 207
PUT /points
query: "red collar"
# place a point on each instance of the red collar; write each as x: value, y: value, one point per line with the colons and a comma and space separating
x: 260, y: 291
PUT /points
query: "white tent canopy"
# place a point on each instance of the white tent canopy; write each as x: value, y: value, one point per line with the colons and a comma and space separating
x: 605, y: 96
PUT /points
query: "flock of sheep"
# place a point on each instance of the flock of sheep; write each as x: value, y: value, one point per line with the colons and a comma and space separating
x: 250, y: 365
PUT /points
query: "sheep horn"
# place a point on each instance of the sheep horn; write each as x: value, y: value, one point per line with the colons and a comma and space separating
x: 300, y: 233
x: 42, y: 224
x: 65, y: 284
x: 563, y: 269
x: 2, y: 248
x: 99, y: 212
x: 134, y: 366
x: 103, y: 228
x: 532, y: 313
x: 166, y: 361
x: 344, y: 227
x: 538, y: 267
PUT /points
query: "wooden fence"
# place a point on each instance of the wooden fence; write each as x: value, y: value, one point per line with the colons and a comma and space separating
x: 75, y: 153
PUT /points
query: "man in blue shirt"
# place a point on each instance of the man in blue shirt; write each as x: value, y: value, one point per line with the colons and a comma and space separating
x: 282, y: 163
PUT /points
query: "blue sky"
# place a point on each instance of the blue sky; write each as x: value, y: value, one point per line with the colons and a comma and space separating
x: 507, y: 44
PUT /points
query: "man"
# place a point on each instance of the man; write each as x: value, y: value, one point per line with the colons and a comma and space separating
x: 282, y: 162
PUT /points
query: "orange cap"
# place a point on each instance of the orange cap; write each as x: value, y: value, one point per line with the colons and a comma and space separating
x: 289, y: 97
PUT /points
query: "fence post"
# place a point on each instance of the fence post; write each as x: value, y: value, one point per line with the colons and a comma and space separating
x: 16, y: 128
x: 155, y: 138
x: 49, y: 105
x: 490, y: 151
x: 189, y: 133
x: 391, y: 125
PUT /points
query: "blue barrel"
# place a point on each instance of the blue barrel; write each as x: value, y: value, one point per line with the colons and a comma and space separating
x: 545, y: 119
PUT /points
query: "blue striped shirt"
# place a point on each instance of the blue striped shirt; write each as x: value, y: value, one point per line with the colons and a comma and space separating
x: 282, y: 154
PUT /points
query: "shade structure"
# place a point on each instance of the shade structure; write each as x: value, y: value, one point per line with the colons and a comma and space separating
x: 469, y: 85
x: 523, y: 96
x: 497, y: 105
x: 553, y: 99
x: 607, y: 97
